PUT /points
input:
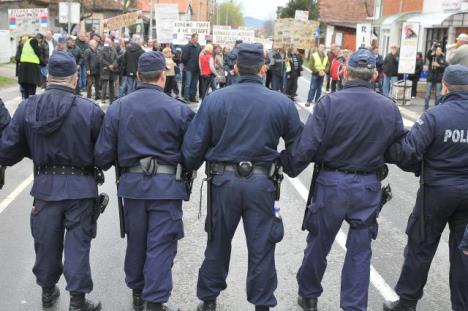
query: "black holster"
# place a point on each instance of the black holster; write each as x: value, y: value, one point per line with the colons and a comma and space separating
x: 187, y: 177
x: 276, y: 175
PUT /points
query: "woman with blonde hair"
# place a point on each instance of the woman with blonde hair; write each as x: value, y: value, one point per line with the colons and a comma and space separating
x: 170, y: 73
x: 207, y: 69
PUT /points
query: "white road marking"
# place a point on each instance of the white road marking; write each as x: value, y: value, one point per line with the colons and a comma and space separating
x: 376, y: 279
x: 15, y: 193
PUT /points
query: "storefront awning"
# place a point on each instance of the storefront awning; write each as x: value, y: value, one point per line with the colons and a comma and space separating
x: 430, y: 19
x: 388, y: 21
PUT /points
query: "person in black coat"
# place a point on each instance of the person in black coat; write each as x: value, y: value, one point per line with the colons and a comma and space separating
x: 109, y: 71
x: 190, y: 56
x: 437, y: 65
x: 91, y: 60
x: 417, y: 74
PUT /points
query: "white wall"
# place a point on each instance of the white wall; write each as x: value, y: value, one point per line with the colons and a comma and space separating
x: 437, y: 6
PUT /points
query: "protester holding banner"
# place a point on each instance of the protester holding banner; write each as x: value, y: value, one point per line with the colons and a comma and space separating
x: 190, y: 55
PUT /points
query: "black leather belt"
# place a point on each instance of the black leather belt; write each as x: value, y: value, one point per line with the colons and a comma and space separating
x: 64, y: 170
x: 242, y: 169
x: 161, y: 169
x: 344, y: 171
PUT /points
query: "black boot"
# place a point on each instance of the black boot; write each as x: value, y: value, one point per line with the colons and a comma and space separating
x: 207, y: 306
x: 138, y: 302
x: 262, y: 308
x: 50, y: 296
x: 156, y: 306
x: 78, y: 302
x: 307, y: 304
x: 398, y: 306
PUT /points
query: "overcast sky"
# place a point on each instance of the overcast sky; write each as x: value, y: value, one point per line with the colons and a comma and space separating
x: 262, y: 9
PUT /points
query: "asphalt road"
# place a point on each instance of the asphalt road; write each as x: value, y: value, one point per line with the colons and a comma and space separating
x: 18, y: 290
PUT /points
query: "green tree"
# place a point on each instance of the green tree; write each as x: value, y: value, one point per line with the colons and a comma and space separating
x: 229, y: 14
x: 304, y: 5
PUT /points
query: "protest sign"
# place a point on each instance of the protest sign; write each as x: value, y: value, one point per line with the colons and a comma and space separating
x: 294, y: 33
x: 301, y: 15
x: 165, y: 15
x: 27, y: 21
x: 124, y: 20
x: 226, y: 36
x: 183, y: 31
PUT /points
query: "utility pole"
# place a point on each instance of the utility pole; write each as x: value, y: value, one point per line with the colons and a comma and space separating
x: 69, y: 16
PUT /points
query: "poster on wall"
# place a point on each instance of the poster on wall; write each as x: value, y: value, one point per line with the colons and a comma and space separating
x: 363, y: 35
x: 165, y: 15
x: 183, y: 31
x: 409, y: 48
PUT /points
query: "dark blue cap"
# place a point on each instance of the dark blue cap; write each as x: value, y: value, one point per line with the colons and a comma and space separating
x: 456, y: 75
x: 151, y: 61
x: 250, y: 54
x: 362, y: 58
x: 62, y: 40
x: 61, y: 64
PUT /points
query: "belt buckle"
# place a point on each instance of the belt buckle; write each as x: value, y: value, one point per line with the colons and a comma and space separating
x: 244, y: 169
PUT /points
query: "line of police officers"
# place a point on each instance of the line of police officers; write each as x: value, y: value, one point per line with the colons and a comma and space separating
x: 153, y: 139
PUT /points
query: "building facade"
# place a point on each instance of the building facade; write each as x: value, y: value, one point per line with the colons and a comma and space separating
x: 340, y: 19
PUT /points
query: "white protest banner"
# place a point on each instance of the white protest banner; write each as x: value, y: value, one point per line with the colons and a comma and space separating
x: 363, y: 35
x: 301, y: 15
x: 183, y: 31
x: 27, y: 21
x: 74, y: 12
x: 291, y: 33
x: 226, y: 36
x: 124, y: 20
x: 165, y: 15
x: 409, y: 48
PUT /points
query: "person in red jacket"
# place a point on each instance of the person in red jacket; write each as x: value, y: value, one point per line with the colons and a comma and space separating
x: 207, y: 69
x: 337, y: 70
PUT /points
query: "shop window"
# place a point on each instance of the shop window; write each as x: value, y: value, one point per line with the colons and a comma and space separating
x: 92, y: 23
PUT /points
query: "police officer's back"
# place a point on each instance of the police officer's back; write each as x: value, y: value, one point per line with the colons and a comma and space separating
x: 143, y: 132
x: 439, y: 139
x: 57, y: 130
x: 4, y: 120
x: 236, y: 131
x: 346, y: 138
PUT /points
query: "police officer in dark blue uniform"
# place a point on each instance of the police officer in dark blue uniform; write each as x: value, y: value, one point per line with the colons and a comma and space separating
x: 57, y: 130
x: 143, y: 132
x: 236, y: 131
x: 346, y: 137
x: 439, y: 139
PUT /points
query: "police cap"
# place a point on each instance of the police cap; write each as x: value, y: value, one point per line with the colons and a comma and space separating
x: 456, y: 75
x: 61, y: 64
x: 151, y: 61
x: 250, y: 54
x: 362, y: 58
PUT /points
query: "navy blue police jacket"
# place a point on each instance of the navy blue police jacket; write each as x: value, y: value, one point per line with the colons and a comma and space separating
x: 55, y: 128
x: 440, y: 136
x: 145, y: 123
x: 242, y: 122
x: 4, y: 117
x: 349, y: 130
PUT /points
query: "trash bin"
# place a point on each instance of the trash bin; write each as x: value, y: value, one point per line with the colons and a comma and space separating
x: 401, y: 92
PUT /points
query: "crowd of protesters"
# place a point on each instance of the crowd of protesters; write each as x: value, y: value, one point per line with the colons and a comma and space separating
x: 108, y: 65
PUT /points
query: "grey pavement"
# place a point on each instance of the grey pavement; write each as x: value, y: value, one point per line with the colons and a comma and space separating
x: 18, y: 290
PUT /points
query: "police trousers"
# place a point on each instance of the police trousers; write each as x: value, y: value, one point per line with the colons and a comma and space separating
x: 443, y: 205
x: 153, y: 228
x: 251, y: 199
x: 339, y: 197
x: 63, y: 227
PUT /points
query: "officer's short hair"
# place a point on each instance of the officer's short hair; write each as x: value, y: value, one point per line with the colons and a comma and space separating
x: 150, y: 76
x: 360, y: 73
x: 457, y: 88
x: 249, y: 69
x: 61, y: 80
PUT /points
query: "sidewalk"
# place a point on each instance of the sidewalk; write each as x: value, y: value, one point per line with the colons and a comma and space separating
x: 8, y: 70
